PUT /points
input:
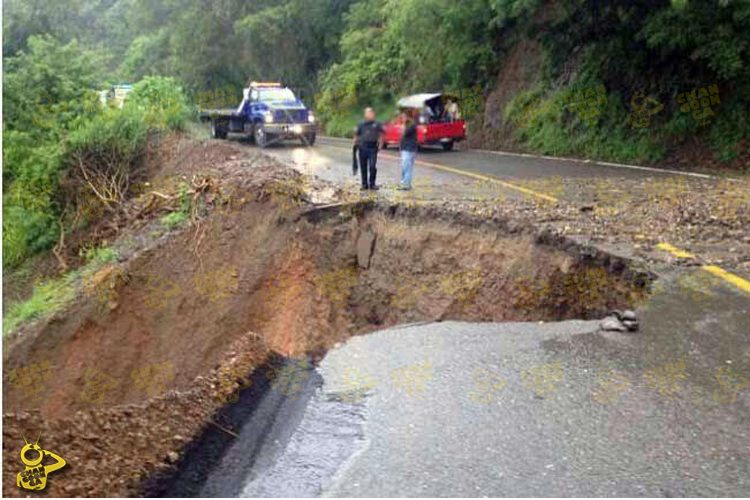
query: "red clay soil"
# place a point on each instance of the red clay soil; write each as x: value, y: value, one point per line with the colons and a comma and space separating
x: 123, y: 388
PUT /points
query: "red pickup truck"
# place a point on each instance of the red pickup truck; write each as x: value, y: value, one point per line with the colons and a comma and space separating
x: 437, y: 123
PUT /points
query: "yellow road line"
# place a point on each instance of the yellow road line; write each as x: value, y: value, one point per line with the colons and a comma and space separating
x: 681, y: 254
x: 735, y: 280
x: 452, y: 170
x: 505, y: 184
x: 730, y: 278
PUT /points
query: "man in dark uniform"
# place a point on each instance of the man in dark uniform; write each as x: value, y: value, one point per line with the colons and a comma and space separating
x: 369, y: 138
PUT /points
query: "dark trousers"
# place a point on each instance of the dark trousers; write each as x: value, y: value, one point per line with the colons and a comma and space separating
x: 368, y: 164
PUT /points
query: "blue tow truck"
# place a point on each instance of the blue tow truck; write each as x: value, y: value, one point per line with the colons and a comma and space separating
x: 269, y: 113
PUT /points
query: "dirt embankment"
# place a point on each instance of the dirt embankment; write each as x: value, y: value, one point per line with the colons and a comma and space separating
x: 120, y: 386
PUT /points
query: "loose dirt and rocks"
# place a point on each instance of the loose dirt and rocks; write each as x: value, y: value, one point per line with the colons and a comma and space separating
x: 269, y: 264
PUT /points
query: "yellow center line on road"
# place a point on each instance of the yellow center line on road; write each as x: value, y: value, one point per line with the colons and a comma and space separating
x: 730, y: 278
x: 487, y: 178
x: 680, y: 254
x: 735, y: 280
x: 505, y: 184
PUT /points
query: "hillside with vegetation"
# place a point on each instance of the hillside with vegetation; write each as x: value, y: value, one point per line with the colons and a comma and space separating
x: 642, y: 81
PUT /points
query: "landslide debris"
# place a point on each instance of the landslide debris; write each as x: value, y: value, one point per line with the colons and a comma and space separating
x: 259, y: 272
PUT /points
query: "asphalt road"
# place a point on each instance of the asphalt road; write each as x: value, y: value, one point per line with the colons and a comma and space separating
x: 514, y: 409
x: 449, y: 173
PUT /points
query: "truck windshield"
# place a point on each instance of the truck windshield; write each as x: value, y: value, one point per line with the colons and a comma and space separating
x: 267, y: 95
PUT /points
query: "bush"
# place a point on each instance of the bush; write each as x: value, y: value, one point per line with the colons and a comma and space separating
x: 342, y: 122
x: 65, y: 157
x: 163, y: 103
x: 547, y: 125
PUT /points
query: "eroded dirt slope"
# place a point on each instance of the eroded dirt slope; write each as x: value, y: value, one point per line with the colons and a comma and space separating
x: 126, y: 382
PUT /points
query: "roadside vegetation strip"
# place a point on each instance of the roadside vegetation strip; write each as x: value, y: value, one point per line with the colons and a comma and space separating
x: 730, y: 278
x: 55, y: 295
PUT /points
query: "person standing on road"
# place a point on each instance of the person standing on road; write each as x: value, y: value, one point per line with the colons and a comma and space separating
x: 369, y: 138
x: 408, y: 146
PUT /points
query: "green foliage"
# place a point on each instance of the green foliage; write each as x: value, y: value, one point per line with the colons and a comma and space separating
x: 714, y: 34
x: 54, y: 295
x: 46, y: 299
x: 174, y: 219
x: 394, y: 47
x: 547, y: 124
x: 178, y: 217
x: 343, y: 121
x: 112, y: 133
x: 147, y: 55
x: 47, y: 89
x: 162, y: 102
x: 302, y: 35
x: 731, y: 127
x: 100, y: 255
x: 48, y: 86
x: 54, y: 125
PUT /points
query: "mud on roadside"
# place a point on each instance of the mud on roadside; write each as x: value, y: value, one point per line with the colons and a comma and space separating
x: 263, y: 275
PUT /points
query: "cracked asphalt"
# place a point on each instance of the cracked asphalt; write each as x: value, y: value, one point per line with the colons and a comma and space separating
x: 514, y: 409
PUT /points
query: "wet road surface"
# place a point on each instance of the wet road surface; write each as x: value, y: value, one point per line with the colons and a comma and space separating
x: 517, y: 409
x: 331, y: 160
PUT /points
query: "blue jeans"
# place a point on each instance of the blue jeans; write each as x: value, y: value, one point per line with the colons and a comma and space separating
x: 407, y: 164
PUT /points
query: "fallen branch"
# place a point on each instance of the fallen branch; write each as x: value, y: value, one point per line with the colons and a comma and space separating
x: 222, y: 428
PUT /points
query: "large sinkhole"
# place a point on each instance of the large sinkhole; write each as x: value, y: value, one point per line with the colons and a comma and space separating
x: 301, y: 282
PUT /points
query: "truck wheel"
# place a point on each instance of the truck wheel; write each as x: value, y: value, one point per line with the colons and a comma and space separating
x: 385, y: 145
x: 448, y: 146
x: 308, y: 139
x: 218, y: 131
x: 259, y: 133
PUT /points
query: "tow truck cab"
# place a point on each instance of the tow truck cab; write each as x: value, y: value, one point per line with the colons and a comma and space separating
x: 269, y: 112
